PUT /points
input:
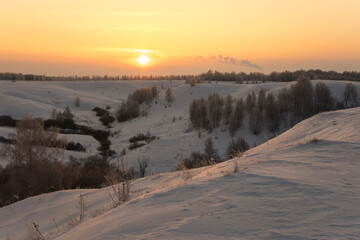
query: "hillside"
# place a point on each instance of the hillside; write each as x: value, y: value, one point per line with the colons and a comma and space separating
x: 302, y: 184
x: 170, y: 124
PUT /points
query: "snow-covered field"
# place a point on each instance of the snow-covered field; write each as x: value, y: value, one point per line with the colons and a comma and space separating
x: 291, y: 187
x: 169, y: 124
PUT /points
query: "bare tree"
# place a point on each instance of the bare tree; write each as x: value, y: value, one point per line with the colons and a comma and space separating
x: 256, y: 121
x: 169, y: 97
x: 236, y: 118
x: 322, y: 97
x: 119, y: 183
x: 215, y: 103
x: 283, y: 102
x: 34, y: 153
x: 143, y: 164
x: 250, y: 102
x: 210, y: 152
x: 228, y: 108
x: 272, y: 113
x: 301, y: 95
x: 261, y: 99
x: 350, y: 94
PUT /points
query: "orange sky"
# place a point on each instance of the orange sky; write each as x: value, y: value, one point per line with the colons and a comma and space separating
x: 106, y: 37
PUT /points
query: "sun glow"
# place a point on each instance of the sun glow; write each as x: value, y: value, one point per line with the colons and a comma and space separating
x: 143, y: 60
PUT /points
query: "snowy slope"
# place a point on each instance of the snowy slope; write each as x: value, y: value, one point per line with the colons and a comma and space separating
x: 288, y: 188
x: 169, y: 124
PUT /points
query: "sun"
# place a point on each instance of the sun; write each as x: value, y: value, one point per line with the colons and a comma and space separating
x: 143, y: 60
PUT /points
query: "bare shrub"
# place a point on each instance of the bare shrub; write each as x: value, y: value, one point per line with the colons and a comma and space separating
x: 237, y: 148
x: 34, y: 232
x: 197, y: 159
x: 143, y: 164
x: 314, y: 140
x: 82, y: 207
x: 119, y: 183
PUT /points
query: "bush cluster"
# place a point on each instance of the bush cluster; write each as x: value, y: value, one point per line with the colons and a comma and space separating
x: 71, y: 146
x: 198, y: 159
x: 142, y: 137
x: 130, y: 108
x: 104, y: 115
x: 7, y: 121
x: 237, y: 147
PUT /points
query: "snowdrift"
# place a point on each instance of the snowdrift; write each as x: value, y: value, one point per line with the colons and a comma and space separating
x: 303, y: 184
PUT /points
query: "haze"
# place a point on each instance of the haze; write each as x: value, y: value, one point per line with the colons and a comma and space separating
x: 107, y: 37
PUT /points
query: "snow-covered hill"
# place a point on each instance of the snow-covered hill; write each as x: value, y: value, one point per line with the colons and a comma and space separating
x: 303, y: 184
x: 169, y: 124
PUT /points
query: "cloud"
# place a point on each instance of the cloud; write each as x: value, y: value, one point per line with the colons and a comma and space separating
x: 247, y: 63
x: 227, y: 60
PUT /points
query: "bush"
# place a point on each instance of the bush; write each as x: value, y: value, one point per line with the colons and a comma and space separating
x: 144, y: 95
x: 106, y: 119
x: 7, y: 121
x: 236, y: 147
x: 71, y: 146
x: 198, y: 159
x: 118, y: 183
x: 128, y: 110
x: 135, y: 145
x: 66, y: 115
x: 142, y: 137
x: 99, y: 111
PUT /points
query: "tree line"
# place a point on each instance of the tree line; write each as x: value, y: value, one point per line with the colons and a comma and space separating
x: 241, y: 77
x: 266, y: 110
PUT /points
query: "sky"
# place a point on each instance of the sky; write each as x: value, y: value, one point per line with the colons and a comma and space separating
x: 115, y: 37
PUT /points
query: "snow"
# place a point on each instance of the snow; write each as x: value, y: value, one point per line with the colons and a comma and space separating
x: 174, y: 139
x: 287, y: 188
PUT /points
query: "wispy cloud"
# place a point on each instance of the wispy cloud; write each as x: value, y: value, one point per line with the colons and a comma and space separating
x: 228, y: 60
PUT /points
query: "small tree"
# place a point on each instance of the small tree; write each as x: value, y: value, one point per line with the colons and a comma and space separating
x: 77, y: 102
x: 143, y: 164
x: 169, y: 97
x: 210, y: 152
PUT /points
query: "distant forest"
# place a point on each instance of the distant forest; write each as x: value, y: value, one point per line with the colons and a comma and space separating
x: 241, y: 77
